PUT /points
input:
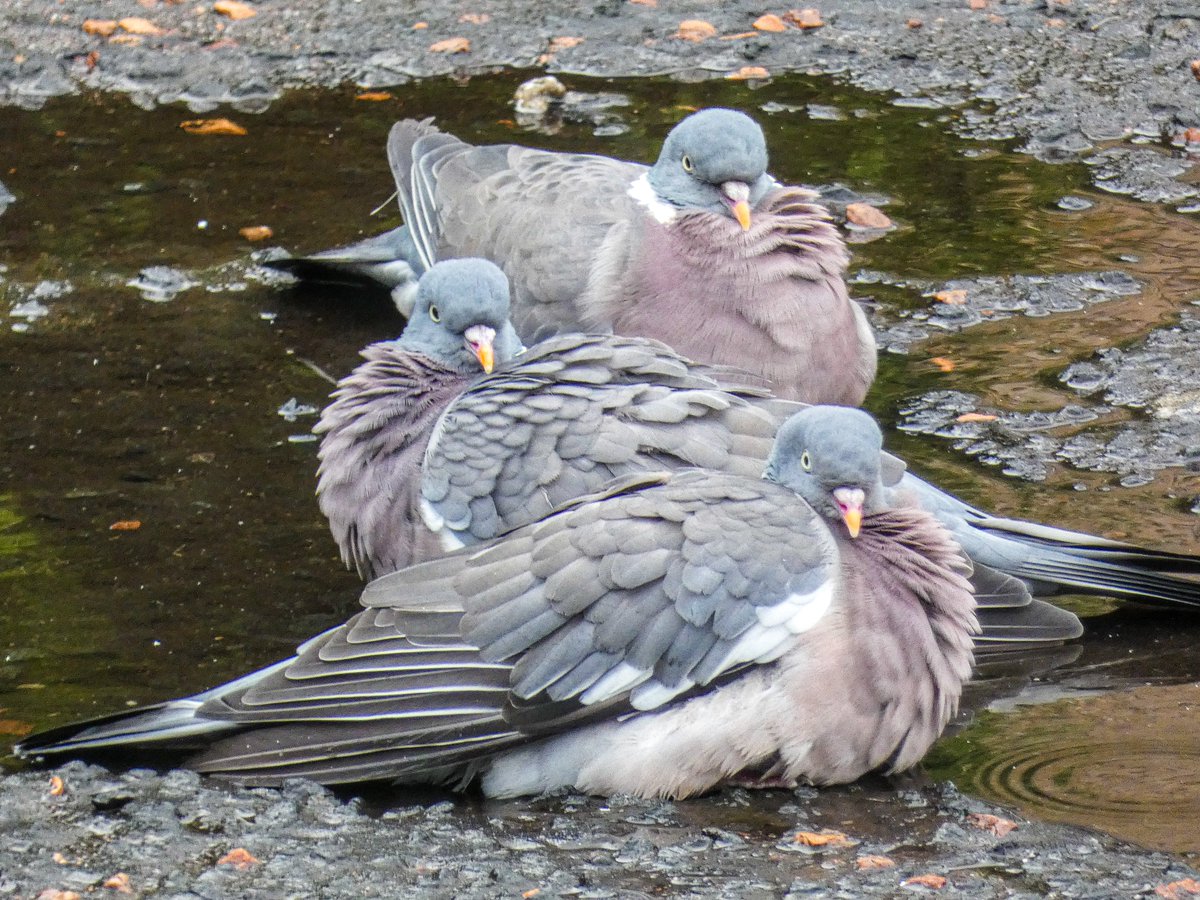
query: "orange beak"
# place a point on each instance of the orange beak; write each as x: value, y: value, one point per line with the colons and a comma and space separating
x: 741, y: 212
x: 480, y: 339
x: 850, y: 504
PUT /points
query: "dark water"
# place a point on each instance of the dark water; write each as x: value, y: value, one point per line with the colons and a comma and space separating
x: 116, y: 409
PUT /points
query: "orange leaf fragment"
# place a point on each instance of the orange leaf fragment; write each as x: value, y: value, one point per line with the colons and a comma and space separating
x: 695, y: 30
x: 804, y: 18
x: 235, y: 9
x: 946, y: 365
x: 866, y: 216
x: 240, y: 858
x: 977, y: 4
x: 1191, y: 135
x: 746, y: 72
x: 564, y: 42
x: 738, y: 36
x: 1177, y: 890
x: 531, y: 893
x: 985, y: 821
x: 92, y: 60
x: 256, y: 232
x: 102, y: 27
x: 651, y: 3
x: 822, y: 839
x: 119, y: 883
x: 59, y: 858
x: 1196, y: 68
x: 58, y: 787
x: 770, y: 22
x: 475, y: 18
x: 212, y: 126
x: 451, y: 45
x: 374, y: 96
x: 138, y: 25
x: 125, y: 525
x: 131, y: 40
x: 929, y: 880
x: 953, y: 298
x: 1000, y: 827
x: 420, y: 26
x: 875, y: 862
x: 913, y: 23
x: 15, y: 727
x: 56, y: 894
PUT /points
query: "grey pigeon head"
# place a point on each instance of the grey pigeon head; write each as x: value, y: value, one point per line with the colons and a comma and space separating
x: 830, y: 456
x: 714, y: 160
x: 460, y: 316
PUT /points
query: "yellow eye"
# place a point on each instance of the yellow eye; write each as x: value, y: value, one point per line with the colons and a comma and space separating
x: 434, y: 314
x: 806, y: 461
x: 686, y: 162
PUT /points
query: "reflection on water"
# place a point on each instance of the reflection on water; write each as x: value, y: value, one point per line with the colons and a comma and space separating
x: 1126, y: 762
x: 116, y: 409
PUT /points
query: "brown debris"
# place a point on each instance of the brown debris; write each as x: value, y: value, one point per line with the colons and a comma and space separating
x: 977, y: 4
x: 804, y: 18
x: 58, y: 787
x: 822, y: 839
x: 138, y: 25
x: 952, y: 298
x: 1196, y: 69
x: 695, y: 30
x: 1178, y: 890
x: 650, y: 3
x: 451, y: 45
x: 943, y: 363
x: 256, y: 232
x: 373, y: 96
x: 875, y: 862
x: 240, y: 858
x: 56, y: 894
x: 770, y: 22
x: 913, y: 23
x: 929, y: 880
x: 475, y: 18
x: 119, y: 883
x: 748, y: 72
x: 102, y: 27
x: 212, y: 126
x: 235, y: 9
x: 1001, y: 827
x: 125, y: 525
x: 866, y: 216
x: 985, y: 821
x: 15, y: 727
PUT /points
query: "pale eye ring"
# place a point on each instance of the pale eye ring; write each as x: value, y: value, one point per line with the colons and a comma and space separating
x: 686, y: 162
x: 806, y: 461
x: 434, y: 314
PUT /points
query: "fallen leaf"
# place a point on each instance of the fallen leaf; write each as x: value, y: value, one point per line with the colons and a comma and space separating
x: 770, y: 22
x: 929, y: 880
x: 202, y: 457
x: 451, y: 45
x: 20, y: 59
x: 695, y: 30
x: 1196, y: 68
x: 746, y: 72
x: 119, y: 883
x: 420, y: 26
x: 867, y: 216
x: 946, y: 365
x: 804, y: 18
x: 212, y: 126
x: 986, y: 821
x: 1176, y: 890
x: 102, y: 27
x: 995, y: 19
x: 125, y: 525
x: 977, y: 4
x: 913, y: 23
x: 56, y: 894
x: 1002, y: 826
x: 738, y: 36
x: 475, y: 18
x: 531, y: 893
x: 256, y: 232
x: 1191, y: 135
x: 874, y: 862
x: 147, y: 4
x: 953, y: 298
x: 235, y: 9
x: 239, y: 858
x: 131, y: 40
x: 15, y: 727
x: 822, y: 839
x: 138, y: 25
x: 564, y: 42
x: 374, y: 96
x: 58, y: 787
x: 92, y: 60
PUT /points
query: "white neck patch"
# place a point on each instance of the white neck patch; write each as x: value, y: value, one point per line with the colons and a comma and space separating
x: 643, y: 192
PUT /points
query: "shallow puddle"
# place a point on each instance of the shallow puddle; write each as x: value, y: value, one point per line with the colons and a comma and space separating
x: 158, y: 532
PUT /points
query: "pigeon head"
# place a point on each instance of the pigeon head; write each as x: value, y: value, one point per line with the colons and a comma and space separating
x: 830, y: 456
x: 460, y: 316
x: 714, y: 160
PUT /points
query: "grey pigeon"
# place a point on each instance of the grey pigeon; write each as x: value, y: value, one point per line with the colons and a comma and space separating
x: 658, y: 638
x: 574, y: 411
x: 383, y: 259
x: 384, y: 413
x: 703, y: 251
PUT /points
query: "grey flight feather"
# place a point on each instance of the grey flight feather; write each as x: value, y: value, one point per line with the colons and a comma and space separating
x: 718, y: 602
